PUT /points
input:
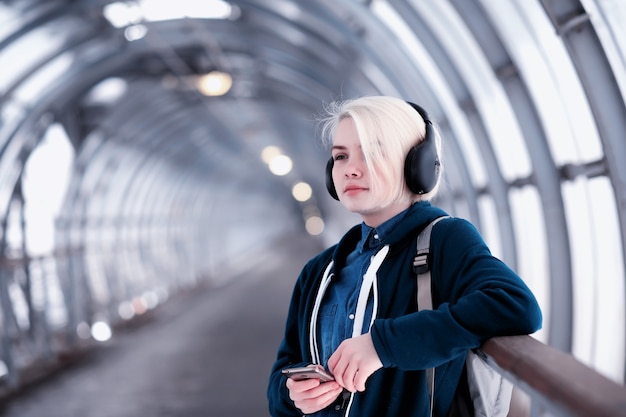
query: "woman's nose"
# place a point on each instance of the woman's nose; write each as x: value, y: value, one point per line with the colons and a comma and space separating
x: 352, y: 170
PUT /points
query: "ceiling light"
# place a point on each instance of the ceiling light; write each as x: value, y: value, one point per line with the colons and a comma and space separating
x: 314, y: 225
x: 281, y: 165
x: 107, y: 91
x: 270, y: 152
x: 302, y: 191
x: 121, y: 14
x: 135, y: 32
x: 215, y: 83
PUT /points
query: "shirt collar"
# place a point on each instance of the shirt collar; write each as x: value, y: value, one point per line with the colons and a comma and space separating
x: 372, y: 238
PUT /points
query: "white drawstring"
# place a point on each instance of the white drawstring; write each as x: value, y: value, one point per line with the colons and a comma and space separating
x: 313, y: 349
x: 366, y: 288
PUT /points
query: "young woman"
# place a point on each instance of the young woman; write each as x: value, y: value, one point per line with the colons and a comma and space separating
x: 353, y: 309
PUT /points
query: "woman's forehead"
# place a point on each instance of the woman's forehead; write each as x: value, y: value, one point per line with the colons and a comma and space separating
x: 345, y: 133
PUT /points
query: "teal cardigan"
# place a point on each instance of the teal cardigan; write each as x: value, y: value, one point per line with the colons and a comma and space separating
x: 475, y: 297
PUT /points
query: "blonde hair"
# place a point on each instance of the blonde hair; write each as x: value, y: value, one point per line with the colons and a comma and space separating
x: 388, y: 128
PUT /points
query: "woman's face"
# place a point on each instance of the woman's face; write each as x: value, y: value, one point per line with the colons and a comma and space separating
x: 353, y: 180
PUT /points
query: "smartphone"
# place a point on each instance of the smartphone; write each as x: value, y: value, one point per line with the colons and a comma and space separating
x: 308, y: 372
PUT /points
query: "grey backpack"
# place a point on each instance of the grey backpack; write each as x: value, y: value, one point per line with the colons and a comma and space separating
x: 489, y: 392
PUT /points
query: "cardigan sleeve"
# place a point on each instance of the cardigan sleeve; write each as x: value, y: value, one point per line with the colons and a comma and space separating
x: 476, y: 297
x: 288, y: 356
x: 294, y: 347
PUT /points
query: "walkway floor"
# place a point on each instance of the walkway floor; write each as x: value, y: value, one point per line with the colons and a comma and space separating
x: 206, y: 353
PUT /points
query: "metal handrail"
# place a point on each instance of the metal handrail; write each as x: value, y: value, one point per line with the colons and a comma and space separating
x: 555, y: 381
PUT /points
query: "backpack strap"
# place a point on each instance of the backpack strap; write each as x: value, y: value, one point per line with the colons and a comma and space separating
x: 424, y: 290
x: 421, y: 267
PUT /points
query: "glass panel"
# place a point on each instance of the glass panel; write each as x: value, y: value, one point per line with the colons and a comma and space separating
x: 31, y: 89
x: 24, y: 53
x: 18, y: 298
x: 56, y: 311
x: 609, y: 338
x: 13, y: 233
x: 483, y: 84
x: 9, y: 22
x: 547, y: 70
x: 609, y: 24
x: 598, y: 275
x: 98, y: 283
x: 46, y: 292
x: 489, y: 225
x: 578, y: 215
x: 46, y: 178
x: 530, y: 234
x: 11, y: 114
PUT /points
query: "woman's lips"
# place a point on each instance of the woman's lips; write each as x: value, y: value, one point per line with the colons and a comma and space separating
x: 353, y: 189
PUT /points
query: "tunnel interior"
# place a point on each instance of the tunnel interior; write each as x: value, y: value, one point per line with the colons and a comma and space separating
x: 148, y: 149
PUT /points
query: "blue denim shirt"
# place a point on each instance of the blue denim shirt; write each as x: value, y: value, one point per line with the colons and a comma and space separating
x: 336, y: 317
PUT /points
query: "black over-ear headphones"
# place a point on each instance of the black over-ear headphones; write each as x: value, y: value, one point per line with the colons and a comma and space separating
x: 421, y: 166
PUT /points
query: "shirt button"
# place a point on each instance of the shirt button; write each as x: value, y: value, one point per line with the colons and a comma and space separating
x: 351, y: 316
x: 376, y: 236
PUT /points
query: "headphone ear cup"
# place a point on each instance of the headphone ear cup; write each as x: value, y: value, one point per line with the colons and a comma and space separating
x: 330, y: 184
x: 422, y: 165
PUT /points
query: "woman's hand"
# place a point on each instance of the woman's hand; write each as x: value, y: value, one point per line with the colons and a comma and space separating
x: 311, y: 395
x: 354, y: 361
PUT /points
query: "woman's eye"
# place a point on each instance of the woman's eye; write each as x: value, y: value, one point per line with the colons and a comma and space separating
x: 339, y: 156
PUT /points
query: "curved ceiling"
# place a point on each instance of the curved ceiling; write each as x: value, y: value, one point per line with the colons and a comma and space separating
x: 529, y: 97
